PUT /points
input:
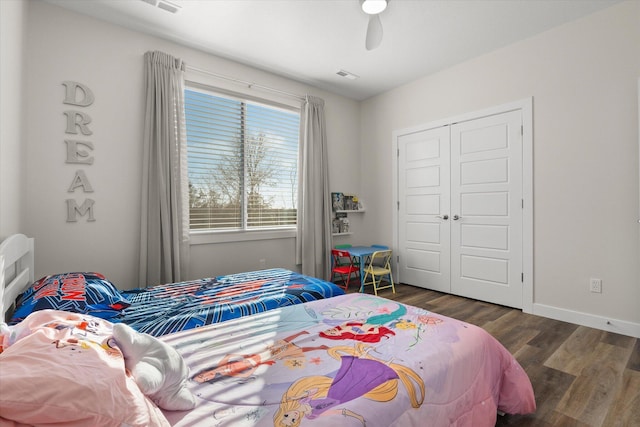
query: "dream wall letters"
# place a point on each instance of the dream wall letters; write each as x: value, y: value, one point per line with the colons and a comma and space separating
x: 79, y: 151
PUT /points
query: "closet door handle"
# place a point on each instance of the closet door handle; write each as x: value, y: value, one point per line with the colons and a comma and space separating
x: 456, y: 217
x: 445, y: 217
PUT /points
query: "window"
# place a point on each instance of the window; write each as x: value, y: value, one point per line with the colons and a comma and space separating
x: 242, y: 161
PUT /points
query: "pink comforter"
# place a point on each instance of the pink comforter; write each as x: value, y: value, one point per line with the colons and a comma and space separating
x: 352, y: 360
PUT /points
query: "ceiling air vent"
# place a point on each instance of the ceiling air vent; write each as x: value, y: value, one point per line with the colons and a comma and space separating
x: 347, y: 75
x: 172, y: 6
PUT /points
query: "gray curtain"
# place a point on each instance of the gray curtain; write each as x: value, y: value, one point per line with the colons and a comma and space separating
x: 313, y: 241
x: 164, y: 240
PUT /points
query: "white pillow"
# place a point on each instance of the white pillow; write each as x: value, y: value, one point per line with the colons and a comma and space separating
x: 157, y: 368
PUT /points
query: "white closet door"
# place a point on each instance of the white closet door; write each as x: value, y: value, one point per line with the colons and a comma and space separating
x: 486, y: 209
x: 423, y: 210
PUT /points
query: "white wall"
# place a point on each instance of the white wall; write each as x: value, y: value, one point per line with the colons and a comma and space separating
x: 583, y: 78
x: 12, y: 27
x: 108, y: 59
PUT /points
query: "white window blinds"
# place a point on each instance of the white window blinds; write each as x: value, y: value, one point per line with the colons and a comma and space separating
x: 243, y: 158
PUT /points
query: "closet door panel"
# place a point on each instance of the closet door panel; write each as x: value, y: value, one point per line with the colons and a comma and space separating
x: 423, y: 203
x: 486, y: 198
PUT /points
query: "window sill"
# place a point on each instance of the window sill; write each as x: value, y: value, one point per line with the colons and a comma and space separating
x: 209, y: 237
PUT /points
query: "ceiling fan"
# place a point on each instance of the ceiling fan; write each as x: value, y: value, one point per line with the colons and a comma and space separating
x: 373, y: 8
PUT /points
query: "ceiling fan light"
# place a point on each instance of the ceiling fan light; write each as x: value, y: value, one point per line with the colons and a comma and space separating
x: 373, y: 7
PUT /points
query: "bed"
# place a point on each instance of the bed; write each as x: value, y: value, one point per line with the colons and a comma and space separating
x: 349, y: 360
x: 353, y: 360
x: 162, y: 309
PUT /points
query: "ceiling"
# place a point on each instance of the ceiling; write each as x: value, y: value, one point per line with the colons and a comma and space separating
x: 311, y: 40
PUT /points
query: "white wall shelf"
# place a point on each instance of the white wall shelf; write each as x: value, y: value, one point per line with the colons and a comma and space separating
x: 344, y: 213
x: 340, y: 224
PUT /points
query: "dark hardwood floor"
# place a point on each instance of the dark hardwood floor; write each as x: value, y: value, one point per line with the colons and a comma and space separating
x: 581, y: 376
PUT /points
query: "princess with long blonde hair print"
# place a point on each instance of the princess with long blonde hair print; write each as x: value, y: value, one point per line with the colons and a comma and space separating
x: 359, y: 375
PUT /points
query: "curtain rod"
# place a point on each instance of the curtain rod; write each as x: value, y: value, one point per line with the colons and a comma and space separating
x: 246, y: 83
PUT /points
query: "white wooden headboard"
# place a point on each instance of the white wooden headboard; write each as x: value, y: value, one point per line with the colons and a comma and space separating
x: 16, y: 269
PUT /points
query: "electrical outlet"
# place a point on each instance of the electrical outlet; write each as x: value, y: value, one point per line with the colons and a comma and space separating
x: 263, y: 263
x: 595, y: 285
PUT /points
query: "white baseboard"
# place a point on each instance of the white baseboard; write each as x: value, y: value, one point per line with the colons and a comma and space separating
x: 598, y: 322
